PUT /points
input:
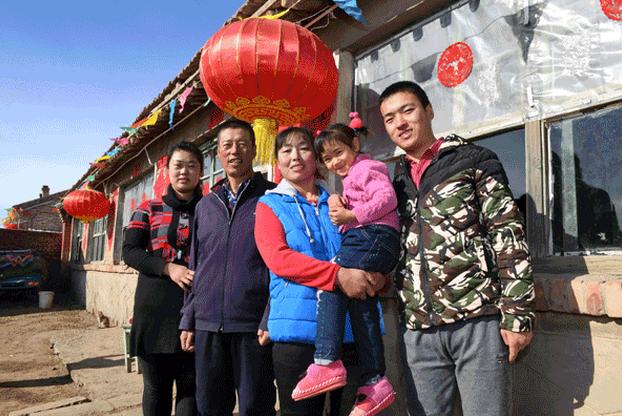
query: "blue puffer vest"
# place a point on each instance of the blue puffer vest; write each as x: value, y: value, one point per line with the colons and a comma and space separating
x: 308, y: 230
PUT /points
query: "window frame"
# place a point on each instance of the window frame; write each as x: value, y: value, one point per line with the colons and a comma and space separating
x: 77, y: 230
x: 119, y: 231
x: 97, y: 239
x: 548, y: 178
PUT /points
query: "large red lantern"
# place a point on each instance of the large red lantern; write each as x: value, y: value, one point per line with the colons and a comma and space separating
x: 86, y: 205
x: 268, y: 72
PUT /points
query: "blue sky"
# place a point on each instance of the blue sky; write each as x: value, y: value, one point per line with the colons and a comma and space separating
x: 72, y: 72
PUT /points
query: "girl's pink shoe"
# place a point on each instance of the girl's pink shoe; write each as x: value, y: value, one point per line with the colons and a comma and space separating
x: 372, y: 399
x: 320, y: 379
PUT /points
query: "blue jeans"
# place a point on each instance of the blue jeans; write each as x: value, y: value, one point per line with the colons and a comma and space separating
x: 371, y: 248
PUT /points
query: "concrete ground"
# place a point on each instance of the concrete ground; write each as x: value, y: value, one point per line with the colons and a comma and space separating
x: 57, y: 362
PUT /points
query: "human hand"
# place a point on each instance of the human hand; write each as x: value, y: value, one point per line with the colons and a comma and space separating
x: 341, y: 215
x: 382, y: 284
x: 516, y: 341
x: 263, y: 337
x: 357, y: 283
x: 181, y: 275
x: 187, y: 340
x: 336, y: 201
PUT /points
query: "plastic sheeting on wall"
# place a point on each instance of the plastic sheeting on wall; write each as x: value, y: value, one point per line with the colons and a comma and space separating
x: 530, y: 59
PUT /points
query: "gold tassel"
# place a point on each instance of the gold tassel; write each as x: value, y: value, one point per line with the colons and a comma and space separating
x: 265, y: 137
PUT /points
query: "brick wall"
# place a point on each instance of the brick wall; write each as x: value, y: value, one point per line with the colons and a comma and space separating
x: 47, y: 243
x: 42, y: 217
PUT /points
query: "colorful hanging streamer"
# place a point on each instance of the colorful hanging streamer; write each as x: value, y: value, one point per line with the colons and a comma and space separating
x: 183, y: 97
x: 352, y: 9
x: 171, y: 112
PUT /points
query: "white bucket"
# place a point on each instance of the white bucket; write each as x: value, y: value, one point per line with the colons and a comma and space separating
x: 45, y: 299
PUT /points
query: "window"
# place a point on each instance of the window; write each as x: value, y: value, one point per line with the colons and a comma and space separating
x: 76, y: 241
x: 98, y: 239
x: 212, y: 169
x: 135, y: 194
x: 129, y: 199
x: 510, y: 148
x: 585, y: 159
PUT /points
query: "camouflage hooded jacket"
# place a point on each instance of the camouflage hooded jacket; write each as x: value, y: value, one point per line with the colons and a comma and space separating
x: 463, y: 242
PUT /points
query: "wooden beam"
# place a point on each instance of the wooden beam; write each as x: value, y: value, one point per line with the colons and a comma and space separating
x: 264, y: 8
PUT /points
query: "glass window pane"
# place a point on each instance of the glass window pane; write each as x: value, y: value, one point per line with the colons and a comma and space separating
x: 207, y: 165
x: 587, y: 188
x: 510, y: 148
x: 133, y: 195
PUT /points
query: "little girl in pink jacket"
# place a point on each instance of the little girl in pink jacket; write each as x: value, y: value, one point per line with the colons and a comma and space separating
x: 370, y: 241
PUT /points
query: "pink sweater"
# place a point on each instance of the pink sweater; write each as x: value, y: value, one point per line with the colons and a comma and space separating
x: 370, y: 194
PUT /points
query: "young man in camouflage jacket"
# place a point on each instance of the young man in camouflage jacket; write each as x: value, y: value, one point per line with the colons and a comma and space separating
x: 464, y: 277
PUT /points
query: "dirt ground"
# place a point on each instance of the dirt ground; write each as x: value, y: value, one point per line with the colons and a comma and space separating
x: 30, y: 372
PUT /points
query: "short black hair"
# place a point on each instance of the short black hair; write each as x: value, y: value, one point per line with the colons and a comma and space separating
x: 282, y: 137
x: 405, y: 86
x: 185, y: 146
x: 337, y: 132
x: 234, y: 123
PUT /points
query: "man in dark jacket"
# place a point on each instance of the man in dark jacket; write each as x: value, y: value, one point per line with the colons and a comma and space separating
x: 222, y: 313
x: 464, y: 276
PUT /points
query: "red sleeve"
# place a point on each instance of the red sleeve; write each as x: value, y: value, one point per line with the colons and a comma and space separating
x: 286, y: 262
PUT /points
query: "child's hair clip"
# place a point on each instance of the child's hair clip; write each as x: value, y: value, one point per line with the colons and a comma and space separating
x: 317, y: 133
x: 355, y: 121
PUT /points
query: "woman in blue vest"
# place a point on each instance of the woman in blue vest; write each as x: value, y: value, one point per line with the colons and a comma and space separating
x: 297, y: 240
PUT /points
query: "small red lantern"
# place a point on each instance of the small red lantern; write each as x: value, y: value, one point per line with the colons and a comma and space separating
x: 268, y: 72
x: 86, y: 205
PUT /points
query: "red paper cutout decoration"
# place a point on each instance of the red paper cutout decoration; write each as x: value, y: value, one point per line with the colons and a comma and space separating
x: 160, y: 185
x: 113, y: 209
x: 205, y: 188
x: 86, y: 205
x: 612, y: 9
x: 215, y: 118
x: 455, y: 64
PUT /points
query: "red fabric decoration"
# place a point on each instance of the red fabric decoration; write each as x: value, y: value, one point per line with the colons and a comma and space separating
x: 612, y: 9
x: 455, y: 64
x: 86, y: 205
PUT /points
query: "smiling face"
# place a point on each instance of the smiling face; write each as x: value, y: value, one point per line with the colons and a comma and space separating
x: 184, y: 172
x: 236, y: 152
x: 407, y: 122
x: 296, y: 160
x: 338, y: 156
